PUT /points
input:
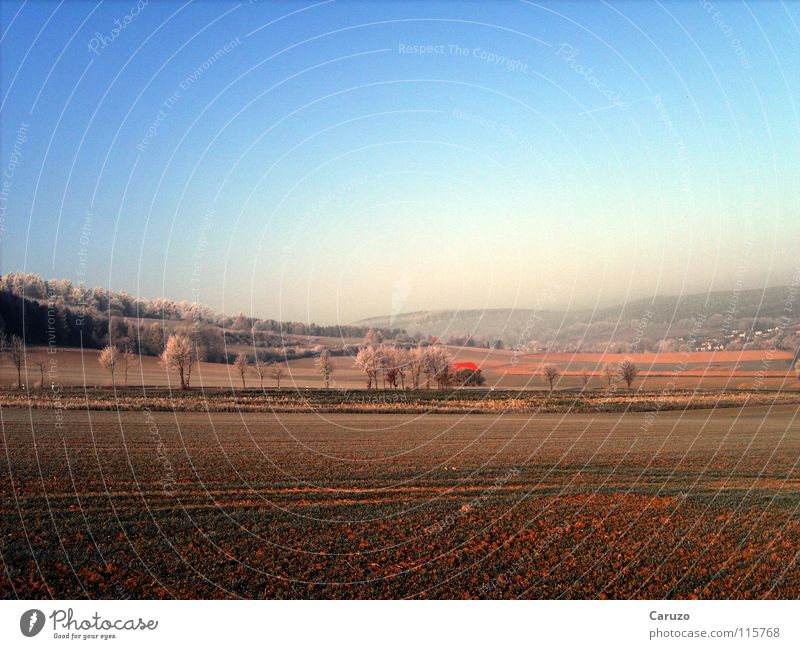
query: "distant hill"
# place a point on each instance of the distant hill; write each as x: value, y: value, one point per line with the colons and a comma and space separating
x: 653, y: 318
x: 752, y: 303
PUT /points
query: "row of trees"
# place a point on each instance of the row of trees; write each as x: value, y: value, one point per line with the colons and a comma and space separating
x: 384, y: 365
x: 392, y: 364
x: 113, y: 358
x: 626, y: 371
x: 182, y: 353
x: 397, y: 365
x: 273, y: 370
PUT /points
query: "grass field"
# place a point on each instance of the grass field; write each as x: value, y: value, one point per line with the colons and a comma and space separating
x: 702, y: 503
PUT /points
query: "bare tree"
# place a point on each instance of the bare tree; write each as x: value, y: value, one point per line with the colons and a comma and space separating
x: 16, y: 351
x: 628, y: 371
x: 277, y: 371
x: 373, y: 338
x: 383, y: 361
x: 388, y: 357
x: 444, y: 376
x: 468, y: 378
x: 402, y: 365
x: 179, y: 355
x: 416, y: 366
x: 438, y: 366
x: 367, y: 361
x: 127, y: 358
x: 197, y: 354
x: 108, y: 358
x: 610, y: 370
x: 325, y: 366
x: 242, y: 363
x: 551, y: 373
x: 666, y: 346
x: 41, y: 364
x: 261, y: 371
x: 429, y: 364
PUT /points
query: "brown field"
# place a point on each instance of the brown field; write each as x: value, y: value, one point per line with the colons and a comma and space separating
x: 503, y: 369
x: 672, y: 358
x: 702, y: 503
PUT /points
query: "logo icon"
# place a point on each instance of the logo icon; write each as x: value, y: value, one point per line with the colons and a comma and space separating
x: 31, y: 622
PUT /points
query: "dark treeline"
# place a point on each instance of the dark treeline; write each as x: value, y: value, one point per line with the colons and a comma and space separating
x: 43, y: 323
x: 58, y: 312
x: 39, y: 324
x: 123, y: 304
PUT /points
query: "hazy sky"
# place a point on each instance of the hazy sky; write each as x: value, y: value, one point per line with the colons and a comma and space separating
x: 340, y: 160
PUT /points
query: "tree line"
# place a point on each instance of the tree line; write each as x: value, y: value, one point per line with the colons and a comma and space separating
x: 59, y: 313
x: 64, y: 295
x: 626, y: 371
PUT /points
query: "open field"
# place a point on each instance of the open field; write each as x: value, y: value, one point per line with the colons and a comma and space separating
x: 504, y: 369
x: 702, y: 503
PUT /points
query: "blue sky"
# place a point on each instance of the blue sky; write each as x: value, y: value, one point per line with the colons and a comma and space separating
x: 337, y: 160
